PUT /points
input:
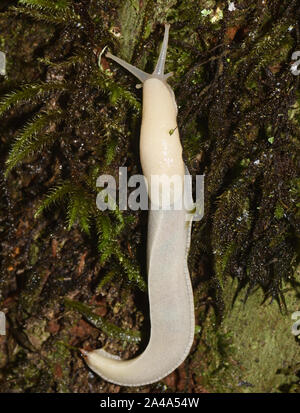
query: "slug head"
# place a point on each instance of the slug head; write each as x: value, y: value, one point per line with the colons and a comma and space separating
x: 160, y: 65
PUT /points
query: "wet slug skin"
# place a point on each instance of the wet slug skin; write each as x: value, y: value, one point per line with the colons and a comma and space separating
x: 169, y: 285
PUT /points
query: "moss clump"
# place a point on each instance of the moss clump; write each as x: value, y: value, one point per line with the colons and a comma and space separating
x: 254, y: 350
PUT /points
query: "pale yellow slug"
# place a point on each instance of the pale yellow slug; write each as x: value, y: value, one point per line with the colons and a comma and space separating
x: 169, y: 285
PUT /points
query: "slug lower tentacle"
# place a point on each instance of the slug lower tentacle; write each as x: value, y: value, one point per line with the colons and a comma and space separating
x: 169, y: 285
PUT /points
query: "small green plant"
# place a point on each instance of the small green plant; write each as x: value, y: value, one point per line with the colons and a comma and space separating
x: 52, y: 12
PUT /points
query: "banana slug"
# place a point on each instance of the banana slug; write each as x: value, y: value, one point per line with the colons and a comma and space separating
x: 168, y: 240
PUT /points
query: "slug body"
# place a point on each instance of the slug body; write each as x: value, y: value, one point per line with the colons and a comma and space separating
x: 169, y: 286
x: 160, y: 147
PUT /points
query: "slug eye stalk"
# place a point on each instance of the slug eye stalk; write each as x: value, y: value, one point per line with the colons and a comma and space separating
x: 160, y: 65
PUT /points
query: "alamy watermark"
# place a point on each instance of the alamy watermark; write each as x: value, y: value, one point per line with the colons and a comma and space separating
x: 164, y: 192
x: 296, y: 325
x: 2, y: 64
x: 294, y: 68
x: 2, y: 324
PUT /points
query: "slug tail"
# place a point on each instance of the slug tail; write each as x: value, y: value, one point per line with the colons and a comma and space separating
x: 171, y: 306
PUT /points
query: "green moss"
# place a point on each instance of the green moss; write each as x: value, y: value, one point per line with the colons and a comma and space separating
x: 252, y: 349
x: 279, y: 212
x: 131, y: 14
x: 60, y: 365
